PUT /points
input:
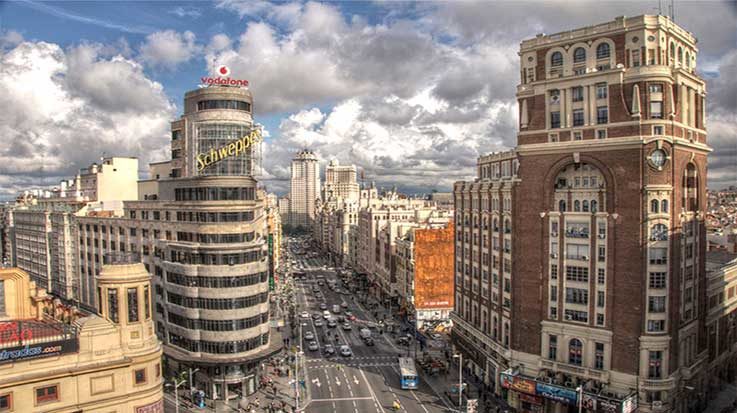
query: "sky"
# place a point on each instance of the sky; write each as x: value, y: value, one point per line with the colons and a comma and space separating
x: 411, y: 93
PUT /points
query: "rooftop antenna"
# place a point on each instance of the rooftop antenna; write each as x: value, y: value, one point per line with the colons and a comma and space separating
x: 672, y: 10
x: 660, y: 7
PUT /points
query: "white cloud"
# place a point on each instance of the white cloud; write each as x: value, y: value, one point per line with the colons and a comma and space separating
x: 10, y: 38
x: 182, y: 12
x: 80, y: 105
x: 166, y: 49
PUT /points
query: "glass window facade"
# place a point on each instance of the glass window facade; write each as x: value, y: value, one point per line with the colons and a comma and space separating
x: 212, y: 137
x: 224, y: 104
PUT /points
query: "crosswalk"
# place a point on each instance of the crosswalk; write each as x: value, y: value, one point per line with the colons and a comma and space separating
x: 352, y: 364
x: 359, y: 358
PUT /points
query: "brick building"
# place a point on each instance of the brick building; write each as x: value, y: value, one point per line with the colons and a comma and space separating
x: 607, y: 279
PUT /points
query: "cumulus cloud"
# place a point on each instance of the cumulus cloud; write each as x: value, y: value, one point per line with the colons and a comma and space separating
x: 82, y: 104
x: 166, y: 49
x: 10, y: 38
x: 183, y: 12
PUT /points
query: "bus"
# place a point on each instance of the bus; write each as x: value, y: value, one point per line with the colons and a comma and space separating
x: 408, y: 374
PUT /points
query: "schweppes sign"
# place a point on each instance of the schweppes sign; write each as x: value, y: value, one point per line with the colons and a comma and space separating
x: 234, y: 148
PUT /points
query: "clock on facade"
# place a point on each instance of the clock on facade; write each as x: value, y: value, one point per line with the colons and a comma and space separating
x: 657, y: 158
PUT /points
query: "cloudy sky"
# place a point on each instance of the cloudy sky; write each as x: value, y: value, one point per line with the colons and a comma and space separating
x: 412, y: 93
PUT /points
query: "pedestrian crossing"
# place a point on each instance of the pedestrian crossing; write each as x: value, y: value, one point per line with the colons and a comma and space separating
x: 360, y: 358
x: 352, y: 364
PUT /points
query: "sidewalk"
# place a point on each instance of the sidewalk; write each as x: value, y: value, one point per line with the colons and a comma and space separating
x: 722, y: 403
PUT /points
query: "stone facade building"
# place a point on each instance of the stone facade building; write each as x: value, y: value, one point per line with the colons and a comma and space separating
x: 604, y: 216
x: 304, y: 193
x: 110, y: 362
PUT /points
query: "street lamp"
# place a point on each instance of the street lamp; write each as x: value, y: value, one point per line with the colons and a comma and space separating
x: 460, y: 378
x: 579, y: 390
x: 176, y: 385
x: 191, y: 373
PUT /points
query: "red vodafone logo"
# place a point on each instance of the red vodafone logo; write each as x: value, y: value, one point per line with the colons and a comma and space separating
x: 223, y: 70
x: 222, y: 79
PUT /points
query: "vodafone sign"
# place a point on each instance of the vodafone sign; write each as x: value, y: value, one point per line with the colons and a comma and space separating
x: 223, y: 79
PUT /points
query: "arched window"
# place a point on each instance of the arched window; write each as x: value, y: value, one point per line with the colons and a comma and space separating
x: 585, y: 206
x: 575, y: 352
x: 579, y: 55
x: 680, y: 55
x: 576, y: 206
x: 496, y: 225
x: 602, y: 51
x: 654, y: 204
x: 594, y: 206
x: 562, y: 206
x: 556, y: 59
x: 507, y: 226
x: 664, y: 206
x: 688, y: 59
x: 672, y: 52
x: 659, y: 232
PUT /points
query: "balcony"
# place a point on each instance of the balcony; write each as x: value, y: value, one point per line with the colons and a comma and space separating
x: 580, y: 371
x: 657, y: 384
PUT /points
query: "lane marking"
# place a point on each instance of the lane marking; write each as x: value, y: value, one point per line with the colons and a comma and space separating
x: 340, y: 399
x: 413, y: 394
x: 377, y: 404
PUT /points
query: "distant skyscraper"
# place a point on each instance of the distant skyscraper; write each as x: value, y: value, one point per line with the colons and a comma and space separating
x: 305, y: 189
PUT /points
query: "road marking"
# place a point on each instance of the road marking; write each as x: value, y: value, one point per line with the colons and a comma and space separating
x: 355, y: 379
x: 337, y: 382
x: 341, y: 399
x: 371, y: 391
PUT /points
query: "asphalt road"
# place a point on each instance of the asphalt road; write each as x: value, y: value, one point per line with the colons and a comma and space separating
x: 368, y: 381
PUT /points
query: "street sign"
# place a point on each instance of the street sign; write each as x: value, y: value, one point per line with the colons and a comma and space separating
x: 472, y: 406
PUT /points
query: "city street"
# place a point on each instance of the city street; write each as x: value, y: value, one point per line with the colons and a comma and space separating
x: 367, y: 381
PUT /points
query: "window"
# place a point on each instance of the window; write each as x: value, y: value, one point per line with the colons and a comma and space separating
x: 656, y: 304
x: 6, y: 402
x: 553, y: 293
x: 579, y: 55
x: 554, y: 271
x: 47, y: 394
x: 577, y: 296
x: 602, y: 114
x: 132, y: 305
x: 223, y: 104
x: 139, y: 376
x: 132, y: 232
x: 601, y: 90
x: 575, y: 352
x: 556, y: 59
x: 654, y: 206
x: 603, y: 51
x: 600, y: 299
x: 657, y: 280
x: 655, y: 326
x: 578, y: 118
x: 599, y: 356
x: 664, y: 206
x: 562, y: 206
x: 112, y: 304
x: 659, y: 232
x: 658, y: 256
x: 658, y: 129
x: 552, y: 347
x: 655, y: 359
x: 146, y: 302
x: 599, y: 319
x: 601, y: 276
x: 577, y: 135
x: 655, y: 88
x: 635, y: 58
x: 580, y: 274
x: 577, y: 94
x: 656, y: 110
x: 554, y: 120
x: 601, y: 134
x: 553, y: 312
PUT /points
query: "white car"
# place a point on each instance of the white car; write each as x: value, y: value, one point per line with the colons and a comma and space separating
x: 304, y: 314
x: 313, y: 346
x: 309, y: 336
x: 345, y: 351
x: 318, y: 323
x: 347, y: 326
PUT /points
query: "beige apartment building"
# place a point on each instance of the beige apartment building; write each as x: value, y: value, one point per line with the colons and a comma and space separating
x: 605, y: 222
x: 64, y: 361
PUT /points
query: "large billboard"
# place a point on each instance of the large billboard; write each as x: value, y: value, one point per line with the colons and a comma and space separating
x: 434, y: 252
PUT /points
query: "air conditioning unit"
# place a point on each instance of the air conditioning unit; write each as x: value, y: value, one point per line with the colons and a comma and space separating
x: 568, y: 317
x: 602, y: 236
x: 553, y: 255
x: 585, y: 258
x: 657, y: 405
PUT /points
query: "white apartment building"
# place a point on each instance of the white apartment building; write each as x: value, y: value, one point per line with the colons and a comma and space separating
x: 305, y: 189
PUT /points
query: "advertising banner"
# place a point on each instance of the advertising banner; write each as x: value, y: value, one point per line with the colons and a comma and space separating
x: 559, y: 394
x: 588, y: 402
x: 155, y: 407
x: 53, y: 348
x: 607, y: 406
x: 434, y: 252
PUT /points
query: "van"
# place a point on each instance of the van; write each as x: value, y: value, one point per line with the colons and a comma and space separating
x: 336, y: 309
x: 365, y: 333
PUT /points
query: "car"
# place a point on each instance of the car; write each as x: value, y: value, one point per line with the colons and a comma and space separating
x: 341, y: 319
x: 347, y: 326
x: 326, y: 314
x: 313, y: 346
x: 403, y: 341
x: 368, y: 341
x: 436, y: 336
x: 321, y: 283
x: 318, y: 323
x: 348, y: 313
x: 309, y: 335
x: 304, y: 314
x: 344, y: 305
x: 315, y: 316
x: 323, y: 306
x: 352, y: 317
x: 345, y: 351
x: 328, y: 349
x: 332, y: 323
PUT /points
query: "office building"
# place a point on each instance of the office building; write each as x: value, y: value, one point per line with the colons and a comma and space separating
x: 304, y: 191
x: 604, y: 221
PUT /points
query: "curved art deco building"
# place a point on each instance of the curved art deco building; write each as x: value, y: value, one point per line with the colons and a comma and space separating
x: 200, y: 228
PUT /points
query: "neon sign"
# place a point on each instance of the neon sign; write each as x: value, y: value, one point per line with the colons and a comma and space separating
x: 234, y: 148
x: 223, y: 80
